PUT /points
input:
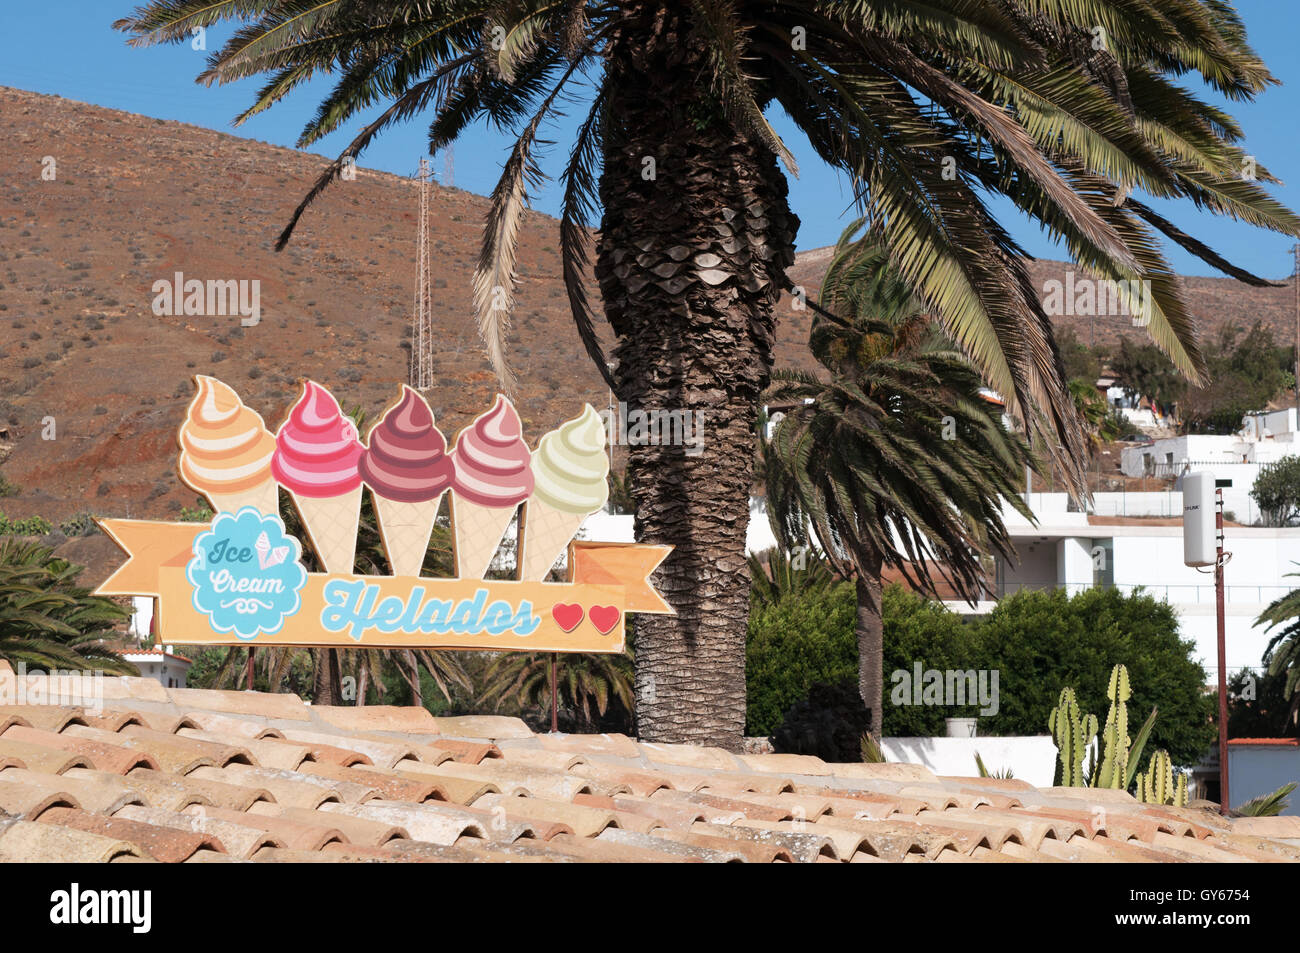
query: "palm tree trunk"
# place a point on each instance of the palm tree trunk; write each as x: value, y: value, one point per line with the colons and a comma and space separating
x: 870, y: 630
x: 694, y: 242
x: 328, y: 683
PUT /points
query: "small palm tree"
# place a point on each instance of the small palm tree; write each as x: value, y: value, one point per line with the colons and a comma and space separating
x: 590, y: 685
x: 49, y: 622
x: 1282, y: 654
x: 777, y: 574
x: 896, y: 460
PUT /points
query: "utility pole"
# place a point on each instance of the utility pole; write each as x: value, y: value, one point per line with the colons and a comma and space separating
x: 422, y: 316
x: 1224, y: 801
x: 1295, y: 284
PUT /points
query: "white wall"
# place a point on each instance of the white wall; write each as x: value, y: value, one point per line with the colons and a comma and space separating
x: 1030, y: 758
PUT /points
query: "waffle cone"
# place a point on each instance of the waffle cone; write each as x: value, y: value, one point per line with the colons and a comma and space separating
x: 331, y: 522
x: 405, y: 528
x: 265, y: 498
x: 545, y: 536
x: 478, y: 531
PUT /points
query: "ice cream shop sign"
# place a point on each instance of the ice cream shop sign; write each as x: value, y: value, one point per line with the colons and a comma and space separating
x: 243, y: 578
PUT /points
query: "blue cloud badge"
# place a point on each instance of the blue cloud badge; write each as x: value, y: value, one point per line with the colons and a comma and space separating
x: 246, y: 573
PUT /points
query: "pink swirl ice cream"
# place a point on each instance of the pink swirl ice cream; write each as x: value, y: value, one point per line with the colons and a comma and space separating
x: 406, y: 459
x: 317, y: 450
x: 492, y: 462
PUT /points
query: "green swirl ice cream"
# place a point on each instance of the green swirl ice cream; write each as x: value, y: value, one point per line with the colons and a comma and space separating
x: 570, y: 482
x: 571, y: 466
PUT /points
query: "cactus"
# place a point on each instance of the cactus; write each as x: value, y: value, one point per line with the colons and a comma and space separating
x: 1115, y: 753
x: 1071, y: 731
x: 1157, y: 786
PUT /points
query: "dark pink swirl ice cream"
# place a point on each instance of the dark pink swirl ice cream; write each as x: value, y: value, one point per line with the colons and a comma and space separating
x: 491, y: 459
x: 317, y: 450
x: 406, y: 458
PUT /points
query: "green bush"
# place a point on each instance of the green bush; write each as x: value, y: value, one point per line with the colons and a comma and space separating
x: 1038, y: 642
x: 924, y: 631
x: 31, y: 526
x: 793, y: 644
x: 1043, y: 641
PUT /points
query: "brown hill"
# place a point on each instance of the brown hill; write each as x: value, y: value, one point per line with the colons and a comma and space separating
x: 136, y: 199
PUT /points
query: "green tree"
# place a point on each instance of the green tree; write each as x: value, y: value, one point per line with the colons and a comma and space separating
x: 927, y: 106
x: 1277, y: 492
x: 1043, y: 641
x: 921, y: 631
x: 48, y: 621
x: 800, y: 641
x: 1248, y: 371
x: 895, y: 460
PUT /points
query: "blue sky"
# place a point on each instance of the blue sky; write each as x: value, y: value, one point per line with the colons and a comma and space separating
x: 67, y: 47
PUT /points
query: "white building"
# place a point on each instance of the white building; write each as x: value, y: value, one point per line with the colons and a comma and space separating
x: 1263, y: 438
x: 165, y: 668
x: 1076, y: 551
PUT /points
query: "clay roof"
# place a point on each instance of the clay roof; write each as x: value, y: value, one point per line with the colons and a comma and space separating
x: 182, y: 775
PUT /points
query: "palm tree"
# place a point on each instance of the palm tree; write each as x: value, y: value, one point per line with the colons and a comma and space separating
x: 777, y: 574
x: 1282, y: 654
x: 897, y: 460
x: 588, y: 684
x: 1064, y: 108
x: 49, y: 622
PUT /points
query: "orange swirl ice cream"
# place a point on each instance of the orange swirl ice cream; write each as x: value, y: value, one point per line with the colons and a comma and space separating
x: 226, y: 450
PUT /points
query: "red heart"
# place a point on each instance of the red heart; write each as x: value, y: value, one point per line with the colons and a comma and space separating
x: 604, y: 618
x: 567, y: 615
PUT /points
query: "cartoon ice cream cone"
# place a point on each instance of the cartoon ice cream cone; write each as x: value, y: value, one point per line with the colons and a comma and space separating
x: 407, y: 469
x: 570, y: 475
x: 492, y: 477
x: 226, y: 451
x: 316, y: 457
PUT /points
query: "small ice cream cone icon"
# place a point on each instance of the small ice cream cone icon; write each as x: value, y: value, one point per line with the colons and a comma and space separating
x: 492, y: 477
x: 316, y: 457
x: 407, y: 469
x: 570, y: 482
x: 226, y: 451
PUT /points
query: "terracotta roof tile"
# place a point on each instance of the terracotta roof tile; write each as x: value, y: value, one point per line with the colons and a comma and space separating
x: 357, y: 787
x: 383, y: 753
x: 177, y: 792
x: 18, y: 799
x: 458, y: 789
x: 182, y: 775
x: 48, y: 717
x: 486, y: 727
x: 297, y: 835
x: 239, y: 839
x: 286, y: 787
x: 270, y: 752
x: 243, y: 727
x: 40, y: 757
x: 95, y: 791
x: 113, y: 758
x: 262, y: 704
x: 358, y: 829
x: 353, y: 718
x: 163, y: 844
x: 436, y: 823
x: 26, y: 842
